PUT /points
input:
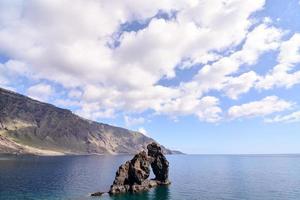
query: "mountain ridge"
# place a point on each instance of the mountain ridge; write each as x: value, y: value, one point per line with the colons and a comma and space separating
x: 28, y: 126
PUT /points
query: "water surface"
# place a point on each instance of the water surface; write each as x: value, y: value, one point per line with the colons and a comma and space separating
x: 208, y: 177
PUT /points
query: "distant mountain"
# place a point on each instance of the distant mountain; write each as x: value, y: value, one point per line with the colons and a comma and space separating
x: 28, y: 126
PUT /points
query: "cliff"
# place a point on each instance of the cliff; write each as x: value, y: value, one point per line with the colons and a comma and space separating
x: 28, y: 126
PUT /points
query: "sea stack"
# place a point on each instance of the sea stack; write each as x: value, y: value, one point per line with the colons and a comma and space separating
x: 159, y: 163
x: 132, y: 176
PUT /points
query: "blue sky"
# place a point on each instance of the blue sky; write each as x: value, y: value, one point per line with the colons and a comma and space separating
x: 208, y: 77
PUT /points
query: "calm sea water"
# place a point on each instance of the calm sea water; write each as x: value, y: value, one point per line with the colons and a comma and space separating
x: 275, y: 177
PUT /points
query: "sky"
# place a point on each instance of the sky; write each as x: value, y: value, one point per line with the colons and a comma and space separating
x: 200, y: 76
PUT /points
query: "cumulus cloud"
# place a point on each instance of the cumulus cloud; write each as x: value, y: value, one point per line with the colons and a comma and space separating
x: 131, y: 121
x: 263, y: 107
x: 284, y: 74
x: 75, y: 93
x: 66, y: 103
x: 10, y: 70
x: 40, y: 91
x: 206, y: 108
x: 220, y: 74
x: 106, y: 69
x: 241, y: 84
x: 143, y: 131
x: 94, y: 111
x: 3, y: 78
x: 289, y: 118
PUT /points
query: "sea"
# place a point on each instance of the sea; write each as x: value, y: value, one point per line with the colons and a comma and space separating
x: 203, y: 177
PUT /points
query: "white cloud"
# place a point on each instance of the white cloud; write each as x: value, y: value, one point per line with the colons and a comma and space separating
x: 10, y: 70
x: 94, y: 111
x: 40, y: 91
x: 241, y: 84
x: 131, y: 121
x: 219, y: 75
x: 263, y: 107
x: 66, y: 103
x: 75, y: 93
x: 198, y: 30
x: 18, y: 68
x: 284, y: 73
x: 3, y: 77
x: 206, y: 108
x: 66, y: 42
x: 143, y: 131
x: 289, y: 118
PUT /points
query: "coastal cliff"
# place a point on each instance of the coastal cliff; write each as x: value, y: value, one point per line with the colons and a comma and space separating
x: 28, y: 126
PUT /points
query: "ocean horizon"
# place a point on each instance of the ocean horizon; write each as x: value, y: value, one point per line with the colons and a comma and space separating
x: 150, y: 99
x: 209, y: 177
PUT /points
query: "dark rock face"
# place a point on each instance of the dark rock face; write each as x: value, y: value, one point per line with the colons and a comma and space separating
x: 139, y: 168
x: 97, y: 194
x: 159, y: 163
x: 154, y: 149
x: 133, y: 175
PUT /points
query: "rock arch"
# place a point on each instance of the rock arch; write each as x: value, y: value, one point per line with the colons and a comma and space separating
x: 132, y: 176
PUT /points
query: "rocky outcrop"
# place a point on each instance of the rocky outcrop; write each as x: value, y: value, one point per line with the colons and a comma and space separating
x: 139, y: 168
x: 97, y: 194
x: 159, y: 163
x: 133, y: 175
